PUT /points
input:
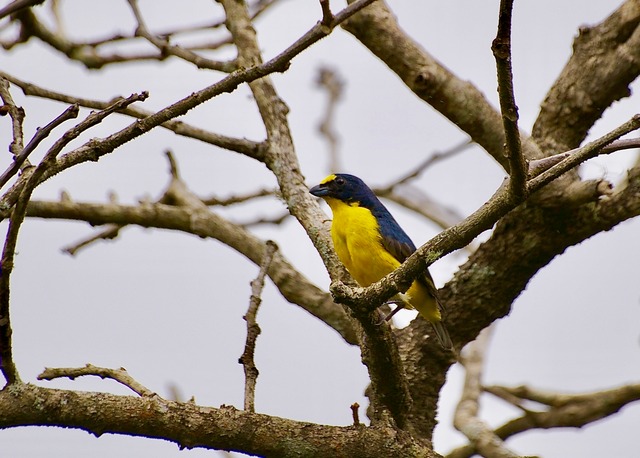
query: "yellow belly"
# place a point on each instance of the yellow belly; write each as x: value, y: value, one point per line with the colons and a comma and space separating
x: 358, y: 244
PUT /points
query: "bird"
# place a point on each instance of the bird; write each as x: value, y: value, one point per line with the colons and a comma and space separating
x: 371, y: 244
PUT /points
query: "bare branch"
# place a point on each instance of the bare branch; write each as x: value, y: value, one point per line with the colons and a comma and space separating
x: 41, y: 134
x: 327, y: 16
x: 110, y: 233
x: 17, y: 5
x: 582, y: 154
x: 607, y: 52
x: 458, y: 100
x: 7, y: 364
x: 253, y: 330
x: 502, y: 52
x: 30, y: 182
x: 190, y: 425
x: 95, y: 149
x: 565, y: 410
x: 17, y: 118
x: 165, y: 47
x: 242, y: 146
x: 119, y: 375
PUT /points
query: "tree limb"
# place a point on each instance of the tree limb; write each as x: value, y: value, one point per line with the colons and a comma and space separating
x: 119, y: 375
x: 501, y: 48
x: 190, y: 426
x: 608, y: 52
x: 459, y: 101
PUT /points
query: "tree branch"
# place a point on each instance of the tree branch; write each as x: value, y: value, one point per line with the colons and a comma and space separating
x: 249, y: 148
x: 190, y: 426
x: 95, y: 149
x: 165, y: 47
x: 501, y: 48
x: 17, y: 5
x: 608, y: 52
x: 458, y: 100
x: 41, y: 134
x: 565, y: 410
x: 119, y: 375
x: 253, y: 330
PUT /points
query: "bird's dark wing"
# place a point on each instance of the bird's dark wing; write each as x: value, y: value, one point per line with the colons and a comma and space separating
x: 398, y: 243
x: 394, y: 239
x: 397, y: 248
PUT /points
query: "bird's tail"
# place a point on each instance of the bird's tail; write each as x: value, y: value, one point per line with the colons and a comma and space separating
x: 442, y: 334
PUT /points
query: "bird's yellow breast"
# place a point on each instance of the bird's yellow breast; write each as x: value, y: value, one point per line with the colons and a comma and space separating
x: 358, y: 243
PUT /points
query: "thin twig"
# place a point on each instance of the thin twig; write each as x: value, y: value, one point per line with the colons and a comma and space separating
x: 242, y: 146
x: 237, y: 199
x: 119, y: 375
x: 17, y: 217
x: 17, y: 117
x: 165, y: 47
x: 327, y: 16
x: 253, y: 330
x: 502, y: 52
x: 42, y: 133
x: 109, y: 233
x: 7, y: 364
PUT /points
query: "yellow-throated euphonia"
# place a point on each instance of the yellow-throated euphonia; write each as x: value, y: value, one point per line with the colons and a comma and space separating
x: 371, y: 244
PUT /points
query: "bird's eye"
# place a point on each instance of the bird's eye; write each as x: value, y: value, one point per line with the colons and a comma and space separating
x: 339, y: 181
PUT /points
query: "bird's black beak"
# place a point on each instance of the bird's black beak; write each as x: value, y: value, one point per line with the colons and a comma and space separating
x: 320, y: 190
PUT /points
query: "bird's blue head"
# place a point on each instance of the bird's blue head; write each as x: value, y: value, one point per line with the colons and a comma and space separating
x: 346, y: 188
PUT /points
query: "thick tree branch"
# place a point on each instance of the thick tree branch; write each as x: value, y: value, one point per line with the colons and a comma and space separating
x: 605, y: 60
x: 458, y: 100
x: 190, y: 426
x: 564, y: 410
